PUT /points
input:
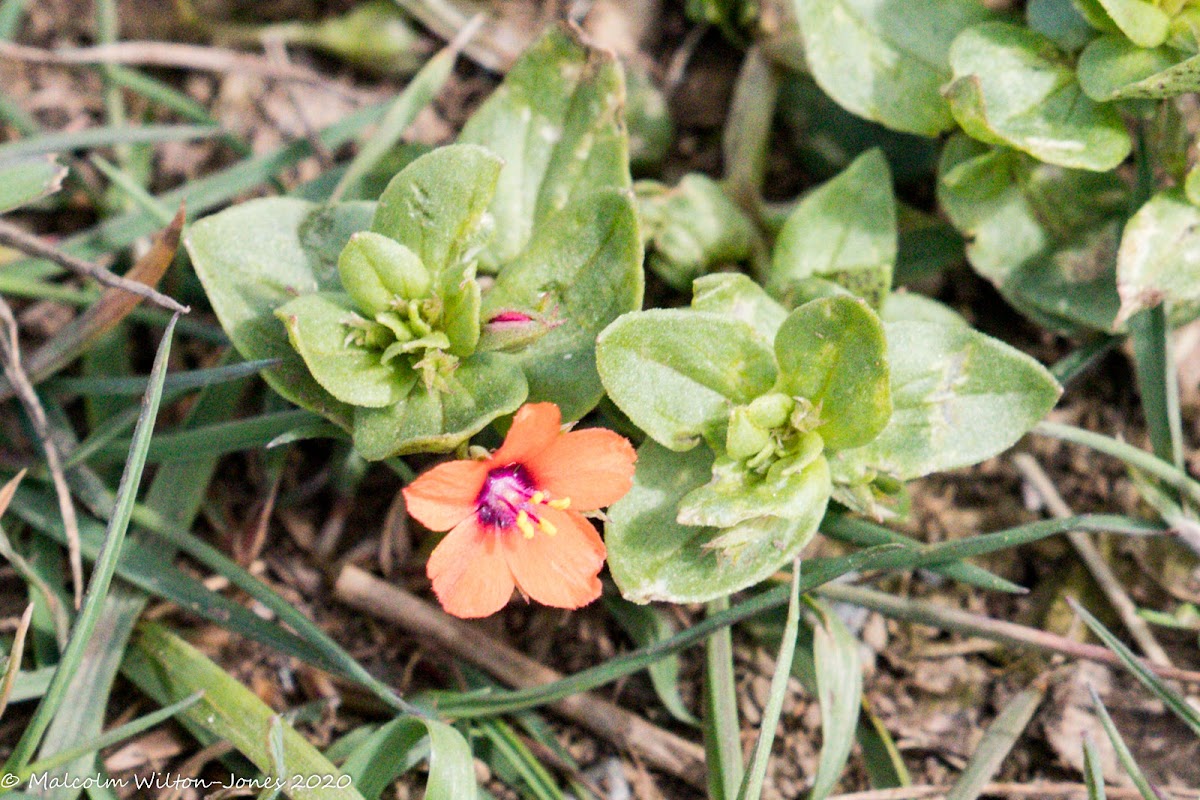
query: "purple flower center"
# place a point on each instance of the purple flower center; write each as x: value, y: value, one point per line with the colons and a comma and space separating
x: 506, y: 493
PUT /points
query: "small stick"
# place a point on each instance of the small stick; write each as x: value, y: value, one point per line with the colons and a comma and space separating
x: 10, y: 352
x: 14, y: 236
x: 1103, y: 575
x: 659, y: 748
x: 173, y: 55
x: 953, y: 619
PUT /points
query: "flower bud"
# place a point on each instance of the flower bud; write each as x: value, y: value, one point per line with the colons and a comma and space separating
x: 771, y: 410
x: 376, y: 271
x: 744, y: 439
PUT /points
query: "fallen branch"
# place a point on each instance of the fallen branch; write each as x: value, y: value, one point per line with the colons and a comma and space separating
x: 659, y: 748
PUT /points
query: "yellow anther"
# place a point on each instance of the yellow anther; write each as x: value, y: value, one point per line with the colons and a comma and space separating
x: 537, y: 498
x: 547, y: 527
x: 524, y: 525
x: 561, y: 503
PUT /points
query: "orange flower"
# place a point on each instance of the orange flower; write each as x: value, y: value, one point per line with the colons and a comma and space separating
x: 514, y: 518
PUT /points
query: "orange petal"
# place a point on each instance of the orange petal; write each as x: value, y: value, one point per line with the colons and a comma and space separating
x: 559, y: 570
x: 470, y: 575
x: 593, y: 467
x: 534, y: 427
x: 445, y: 495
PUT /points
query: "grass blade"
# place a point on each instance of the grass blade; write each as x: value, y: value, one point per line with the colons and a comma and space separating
x: 1128, y: 762
x: 646, y: 625
x: 1093, y: 770
x: 512, y: 753
x: 169, y: 669
x: 997, y: 742
x: 756, y: 772
x: 12, y: 666
x: 103, y: 137
x: 839, y: 691
x: 1170, y: 698
x: 1157, y: 380
x: 863, y: 533
x: 721, y: 727
x: 419, y: 93
x: 115, y: 736
x: 104, y: 570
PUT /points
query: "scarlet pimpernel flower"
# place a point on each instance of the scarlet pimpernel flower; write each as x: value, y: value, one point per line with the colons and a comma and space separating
x: 516, y: 517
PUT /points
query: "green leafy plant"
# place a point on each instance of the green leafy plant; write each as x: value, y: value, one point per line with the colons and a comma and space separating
x: 377, y: 312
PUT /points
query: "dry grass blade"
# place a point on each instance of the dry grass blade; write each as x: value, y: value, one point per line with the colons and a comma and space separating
x: 14, y: 236
x: 1037, y: 791
x: 13, y: 666
x: 112, y: 307
x: 10, y: 353
x: 657, y: 747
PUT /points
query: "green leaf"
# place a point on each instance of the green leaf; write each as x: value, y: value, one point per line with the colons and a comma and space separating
x: 844, y: 232
x: 394, y: 748
x: 692, y: 228
x: 169, y: 669
x: 946, y: 379
x: 832, y: 353
x: 1159, y: 259
x: 556, y: 121
x: 252, y: 260
x: 317, y: 327
x: 1012, y: 86
x: 1114, y: 68
x: 653, y: 557
x: 647, y: 625
x: 581, y: 271
x: 736, y: 494
x: 482, y: 388
x: 839, y: 691
x: 1043, y: 235
x: 22, y: 182
x: 436, y: 205
x: 376, y: 271
x: 756, y: 772
x: 673, y: 389
x: 1144, y: 23
x: 886, y: 60
x: 1061, y: 20
x: 734, y: 295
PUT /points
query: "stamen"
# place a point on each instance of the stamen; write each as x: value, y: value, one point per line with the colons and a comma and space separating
x: 561, y: 503
x: 547, y: 527
x: 524, y: 525
x: 537, y: 498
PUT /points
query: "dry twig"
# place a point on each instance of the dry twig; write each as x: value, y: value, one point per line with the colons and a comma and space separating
x: 174, y: 55
x: 1114, y: 592
x: 10, y: 352
x: 14, y: 236
x: 657, y: 747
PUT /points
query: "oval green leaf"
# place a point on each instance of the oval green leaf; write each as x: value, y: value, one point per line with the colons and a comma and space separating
x: 832, y: 352
x: 886, y: 59
x: 1159, y: 259
x: 958, y: 397
x: 677, y: 373
x: 581, y: 270
x: 1114, y: 68
x: 1013, y: 86
x: 316, y: 326
x: 482, y: 388
x: 844, y: 231
x: 653, y: 557
x: 251, y: 260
